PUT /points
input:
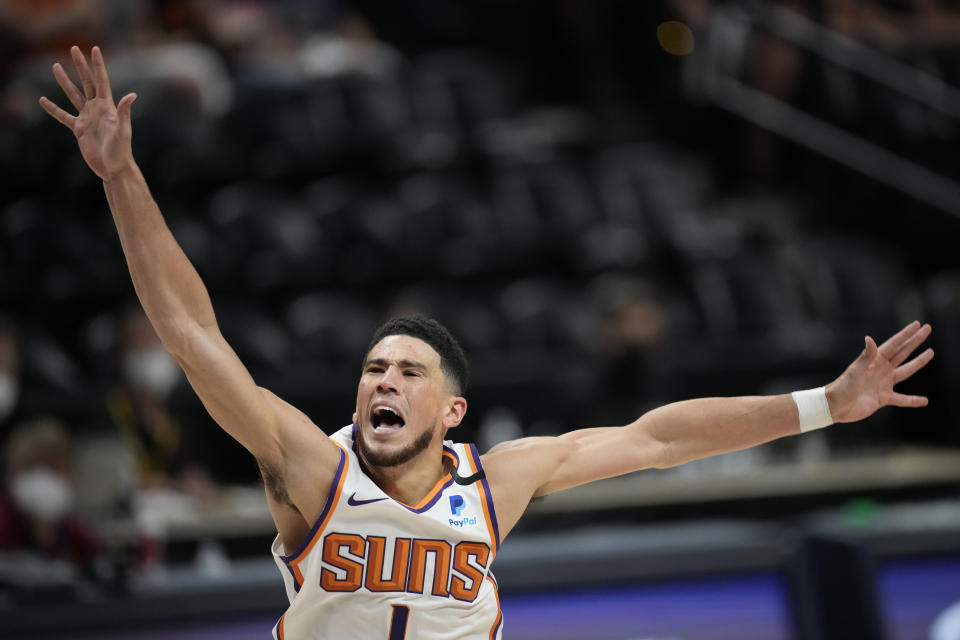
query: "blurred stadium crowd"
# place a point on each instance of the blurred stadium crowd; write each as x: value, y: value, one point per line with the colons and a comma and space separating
x: 543, y: 177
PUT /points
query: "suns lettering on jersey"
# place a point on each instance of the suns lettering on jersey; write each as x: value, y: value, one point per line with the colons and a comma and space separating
x: 441, y: 566
x: 375, y: 559
x: 333, y: 544
x: 458, y: 571
x: 462, y: 554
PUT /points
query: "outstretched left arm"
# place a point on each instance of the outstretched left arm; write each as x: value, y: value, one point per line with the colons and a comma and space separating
x: 683, y: 431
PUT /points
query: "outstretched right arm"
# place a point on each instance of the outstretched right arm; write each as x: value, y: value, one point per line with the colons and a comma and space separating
x: 297, y: 458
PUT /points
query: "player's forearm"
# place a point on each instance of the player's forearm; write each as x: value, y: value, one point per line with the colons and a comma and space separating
x: 700, y: 428
x: 169, y: 288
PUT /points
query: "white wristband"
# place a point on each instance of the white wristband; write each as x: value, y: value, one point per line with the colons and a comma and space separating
x: 813, y: 408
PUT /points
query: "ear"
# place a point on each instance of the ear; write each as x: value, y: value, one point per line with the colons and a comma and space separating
x: 455, y: 412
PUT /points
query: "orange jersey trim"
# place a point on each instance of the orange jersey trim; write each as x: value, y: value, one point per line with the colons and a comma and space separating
x: 496, y: 623
x: 427, y: 501
x: 332, y: 500
x: 437, y: 488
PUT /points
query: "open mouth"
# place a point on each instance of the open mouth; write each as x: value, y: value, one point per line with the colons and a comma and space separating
x: 384, y: 419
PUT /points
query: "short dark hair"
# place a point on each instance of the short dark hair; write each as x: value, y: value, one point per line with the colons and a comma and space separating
x: 453, y: 361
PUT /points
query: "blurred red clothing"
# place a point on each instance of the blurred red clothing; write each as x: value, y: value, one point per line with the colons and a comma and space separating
x: 71, y: 540
x: 51, y: 25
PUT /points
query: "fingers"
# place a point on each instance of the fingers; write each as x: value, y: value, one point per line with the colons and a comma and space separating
x: 58, y: 114
x: 870, y: 347
x: 911, y: 402
x: 903, y: 372
x: 123, y: 109
x: 912, y: 343
x: 100, y: 78
x: 893, y: 345
x: 73, y: 94
x: 83, y: 69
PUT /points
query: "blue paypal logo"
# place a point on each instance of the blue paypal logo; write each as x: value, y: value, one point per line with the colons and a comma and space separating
x: 457, y: 505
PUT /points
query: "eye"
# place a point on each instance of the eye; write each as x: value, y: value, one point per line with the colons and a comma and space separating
x: 374, y: 369
x: 414, y: 374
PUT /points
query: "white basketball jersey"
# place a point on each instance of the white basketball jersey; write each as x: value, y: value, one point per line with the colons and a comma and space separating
x: 373, y: 568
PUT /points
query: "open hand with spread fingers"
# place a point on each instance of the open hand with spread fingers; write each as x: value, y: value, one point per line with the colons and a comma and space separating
x: 868, y: 382
x: 102, y: 128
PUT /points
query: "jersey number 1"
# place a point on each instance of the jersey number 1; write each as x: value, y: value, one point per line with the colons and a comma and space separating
x: 398, y: 623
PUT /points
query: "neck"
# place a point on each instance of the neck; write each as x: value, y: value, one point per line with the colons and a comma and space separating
x: 411, y: 481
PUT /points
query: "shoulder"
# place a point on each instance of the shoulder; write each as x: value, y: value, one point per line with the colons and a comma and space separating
x: 516, y: 470
x: 526, y: 463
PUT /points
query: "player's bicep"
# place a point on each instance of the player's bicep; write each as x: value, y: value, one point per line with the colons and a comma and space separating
x: 602, y: 452
x: 520, y: 470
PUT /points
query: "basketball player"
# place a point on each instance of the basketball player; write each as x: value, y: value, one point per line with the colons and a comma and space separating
x: 384, y: 529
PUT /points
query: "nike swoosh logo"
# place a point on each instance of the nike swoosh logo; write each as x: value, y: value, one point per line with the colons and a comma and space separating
x: 353, y: 502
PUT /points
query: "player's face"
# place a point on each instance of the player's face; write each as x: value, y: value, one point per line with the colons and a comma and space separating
x: 404, y: 401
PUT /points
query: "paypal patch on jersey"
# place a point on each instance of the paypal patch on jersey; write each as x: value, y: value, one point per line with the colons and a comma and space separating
x: 456, y: 504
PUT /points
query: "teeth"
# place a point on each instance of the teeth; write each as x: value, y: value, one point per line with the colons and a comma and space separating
x: 383, y: 414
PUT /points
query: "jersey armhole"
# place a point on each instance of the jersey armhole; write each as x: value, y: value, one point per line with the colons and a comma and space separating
x: 333, y: 497
x: 484, y: 488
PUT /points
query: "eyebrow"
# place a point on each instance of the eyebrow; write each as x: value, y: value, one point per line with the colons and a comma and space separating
x: 403, y: 364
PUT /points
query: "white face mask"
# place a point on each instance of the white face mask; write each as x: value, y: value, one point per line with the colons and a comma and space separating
x: 42, y: 493
x: 152, y: 370
x: 9, y: 393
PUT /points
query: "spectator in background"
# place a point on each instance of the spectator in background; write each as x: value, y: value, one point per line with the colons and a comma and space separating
x: 890, y: 26
x: 9, y: 374
x: 31, y: 27
x: 165, y: 453
x: 350, y: 47
x: 159, y: 48
x: 38, y: 497
x: 262, y: 41
x: 634, y: 326
x: 32, y: 33
x: 769, y: 64
x: 165, y: 52
x: 866, y: 21
x: 254, y: 39
x: 936, y: 21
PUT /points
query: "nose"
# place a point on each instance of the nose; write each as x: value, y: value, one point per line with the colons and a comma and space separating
x: 390, y: 380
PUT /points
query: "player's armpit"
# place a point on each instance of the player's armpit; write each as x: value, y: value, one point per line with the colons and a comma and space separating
x: 291, y: 525
x: 274, y: 485
x: 308, y: 459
